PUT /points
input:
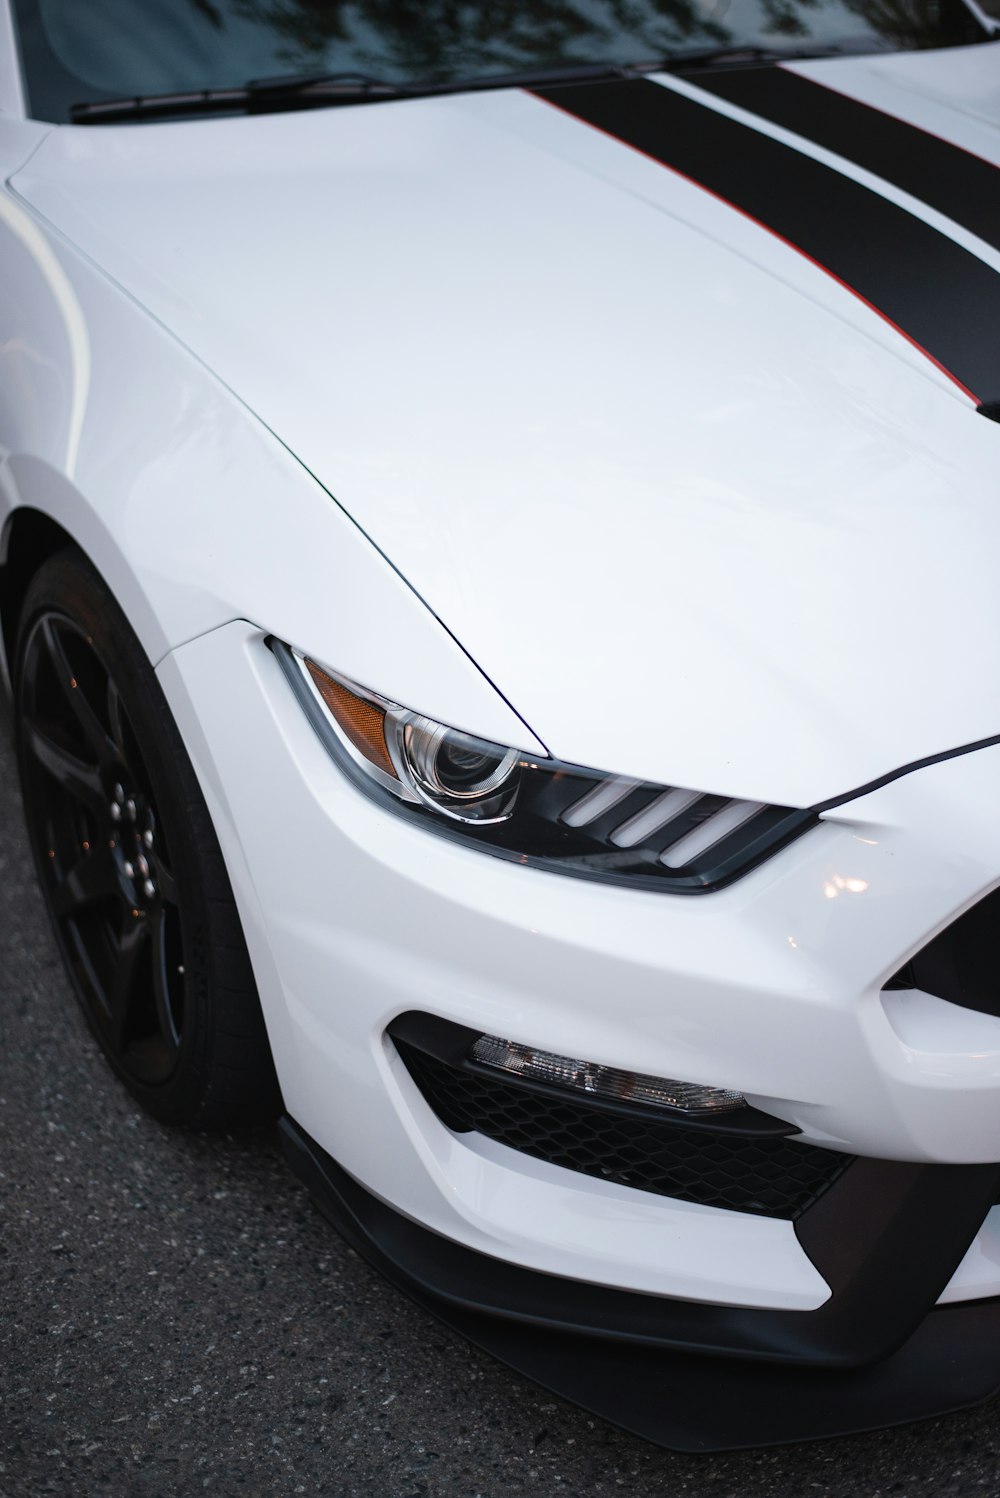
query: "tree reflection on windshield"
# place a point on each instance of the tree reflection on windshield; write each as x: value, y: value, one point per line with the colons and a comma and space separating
x: 115, y: 48
x: 440, y: 39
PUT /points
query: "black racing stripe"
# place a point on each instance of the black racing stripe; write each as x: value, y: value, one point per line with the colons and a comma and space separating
x: 963, y: 186
x: 942, y: 298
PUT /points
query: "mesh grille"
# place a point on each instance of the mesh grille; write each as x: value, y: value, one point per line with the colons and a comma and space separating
x: 770, y: 1177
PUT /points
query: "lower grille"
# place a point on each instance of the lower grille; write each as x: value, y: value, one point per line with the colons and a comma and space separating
x: 772, y: 1177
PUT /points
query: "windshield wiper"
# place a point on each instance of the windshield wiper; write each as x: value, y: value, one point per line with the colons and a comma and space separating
x: 325, y: 90
x: 272, y: 92
x: 321, y: 90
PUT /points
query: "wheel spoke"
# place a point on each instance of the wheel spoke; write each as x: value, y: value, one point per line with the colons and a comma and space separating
x: 116, y: 718
x: 165, y: 882
x: 161, y: 980
x: 81, y: 780
x: 93, y: 877
x: 127, y: 967
x: 103, y: 750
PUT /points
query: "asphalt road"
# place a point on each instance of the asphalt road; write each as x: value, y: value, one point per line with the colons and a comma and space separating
x: 176, y: 1318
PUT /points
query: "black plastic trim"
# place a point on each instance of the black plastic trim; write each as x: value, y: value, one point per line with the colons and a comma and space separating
x: 707, y: 1404
x: 916, y: 764
x: 887, y: 1238
x: 959, y: 965
x: 704, y: 1403
x: 451, y: 1043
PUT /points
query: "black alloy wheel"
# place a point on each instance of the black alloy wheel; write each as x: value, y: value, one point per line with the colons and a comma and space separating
x: 129, y: 863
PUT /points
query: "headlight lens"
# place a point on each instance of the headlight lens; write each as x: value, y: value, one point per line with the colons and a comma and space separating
x: 454, y: 771
x: 459, y: 776
x: 536, y: 811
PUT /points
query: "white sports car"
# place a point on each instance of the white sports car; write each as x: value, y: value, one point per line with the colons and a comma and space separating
x: 499, y: 535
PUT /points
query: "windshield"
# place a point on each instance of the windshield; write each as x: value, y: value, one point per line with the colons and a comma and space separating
x: 79, y: 51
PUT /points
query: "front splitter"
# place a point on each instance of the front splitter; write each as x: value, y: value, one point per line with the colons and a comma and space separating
x: 686, y: 1400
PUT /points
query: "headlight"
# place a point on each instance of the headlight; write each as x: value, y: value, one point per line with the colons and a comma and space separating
x: 461, y: 776
x: 536, y: 811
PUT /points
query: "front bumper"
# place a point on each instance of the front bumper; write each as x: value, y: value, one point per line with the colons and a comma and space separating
x: 772, y: 987
x: 758, y: 1378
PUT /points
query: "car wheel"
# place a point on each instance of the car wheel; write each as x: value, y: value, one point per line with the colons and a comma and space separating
x: 129, y: 862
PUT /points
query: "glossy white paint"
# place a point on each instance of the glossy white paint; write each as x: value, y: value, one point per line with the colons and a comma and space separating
x: 18, y: 138
x: 11, y: 88
x: 579, y: 402
x: 668, y: 484
x: 503, y: 1203
x: 771, y: 987
x: 193, y: 513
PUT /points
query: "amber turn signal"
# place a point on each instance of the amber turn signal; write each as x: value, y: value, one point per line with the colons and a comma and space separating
x: 361, y: 721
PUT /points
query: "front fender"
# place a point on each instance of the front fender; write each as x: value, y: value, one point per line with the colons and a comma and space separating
x: 192, y: 511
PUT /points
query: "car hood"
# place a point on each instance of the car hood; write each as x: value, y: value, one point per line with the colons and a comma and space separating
x: 697, y: 509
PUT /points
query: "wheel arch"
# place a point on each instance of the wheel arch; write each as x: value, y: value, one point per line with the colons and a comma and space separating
x: 28, y: 539
x: 34, y: 529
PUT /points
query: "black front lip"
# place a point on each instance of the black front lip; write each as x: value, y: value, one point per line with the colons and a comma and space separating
x: 887, y: 1238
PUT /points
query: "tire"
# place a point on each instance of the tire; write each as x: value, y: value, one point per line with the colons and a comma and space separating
x: 129, y: 863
